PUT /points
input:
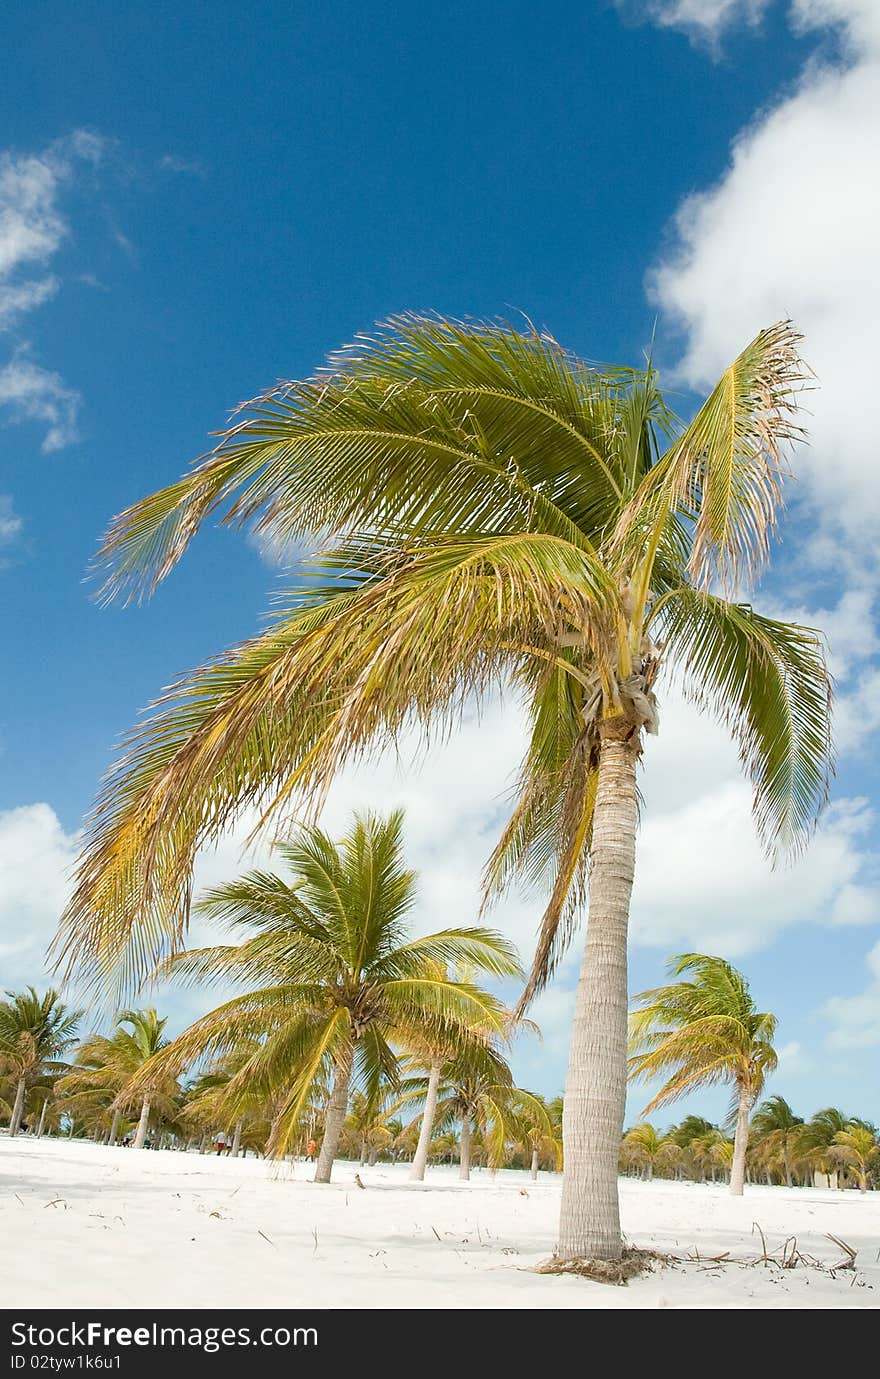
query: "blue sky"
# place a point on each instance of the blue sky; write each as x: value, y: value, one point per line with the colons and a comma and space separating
x: 198, y: 200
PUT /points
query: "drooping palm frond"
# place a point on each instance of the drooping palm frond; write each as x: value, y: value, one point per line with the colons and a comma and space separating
x: 768, y: 682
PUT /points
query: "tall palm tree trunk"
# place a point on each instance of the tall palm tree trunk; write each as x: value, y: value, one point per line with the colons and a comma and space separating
x: 236, y: 1140
x: 464, y: 1151
x: 335, y: 1118
x: 595, y: 1090
x: 419, y: 1163
x: 43, y: 1113
x: 17, y: 1109
x: 740, y: 1144
x: 114, y: 1128
x: 143, y: 1125
x: 534, y: 1167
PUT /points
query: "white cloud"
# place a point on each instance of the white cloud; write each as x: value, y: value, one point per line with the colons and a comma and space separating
x: 790, y: 230
x: 35, y: 857
x: 33, y: 228
x: 29, y: 392
x: 855, y: 1020
x: 10, y: 522
x: 705, y: 20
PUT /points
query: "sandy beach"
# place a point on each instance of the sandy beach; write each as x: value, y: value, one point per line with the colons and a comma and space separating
x: 85, y: 1225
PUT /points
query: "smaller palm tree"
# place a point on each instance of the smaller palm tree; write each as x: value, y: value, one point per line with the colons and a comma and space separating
x: 332, y: 978
x: 110, y: 1071
x: 642, y: 1145
x: 778, y: 1133
x: 34, y: 1033
x: 857, y: 1148
x: 704, y: 1031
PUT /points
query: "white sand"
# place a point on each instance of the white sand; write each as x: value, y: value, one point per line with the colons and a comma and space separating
x: 162, y: 1229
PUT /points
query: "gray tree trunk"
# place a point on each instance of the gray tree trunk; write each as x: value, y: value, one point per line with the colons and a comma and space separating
x: 419, y: 1163
x: 534, y: 1168
x: 43, y: 1112
x: 236, y: 1139
x: 114, y: 1128
x: 464, y: 1151
x: 335, y: 1118
x: 740, y: 1144
x: 17, y: 1109
x: 143, y: 1125
x: 595, y: 1091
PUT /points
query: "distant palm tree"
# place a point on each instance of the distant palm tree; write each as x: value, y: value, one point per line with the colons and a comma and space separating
x: 704, y: 1031
x: 857, y: 1147
x: 332, y: 977
x: 493, y: 510
x: 34, y: 1032
x: 110, y: 1070
x: 477, y: 1092
x: 778, y: 1131
x: 643, y: 1145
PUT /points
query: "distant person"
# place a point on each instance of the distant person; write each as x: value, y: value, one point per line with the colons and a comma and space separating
x: 221, y: 1143
x: 311, y: 1149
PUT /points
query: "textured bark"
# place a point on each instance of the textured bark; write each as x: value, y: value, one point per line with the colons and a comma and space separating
x: 595, y: 1091
x: 534, y: 1168
x: 236, y: 1139
x: 43, y: 1112
x: 740, y: 1144
x: 419, y: 1163
x: 143, y: 1125
x: 17, y: 1109
x: 114, y: 1127
x: 464, y: 1151
x: 335, y: 1119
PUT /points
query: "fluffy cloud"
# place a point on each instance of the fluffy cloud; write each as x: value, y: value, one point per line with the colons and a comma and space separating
x: 31, y: 393
x: 855, y: 1020
x: 32, y: 230
x: 790, y: 230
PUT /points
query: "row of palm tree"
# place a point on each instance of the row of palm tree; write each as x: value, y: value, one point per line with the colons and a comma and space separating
x: 782, y: 1149
x: 489, y: 512
x: 341, y: 1016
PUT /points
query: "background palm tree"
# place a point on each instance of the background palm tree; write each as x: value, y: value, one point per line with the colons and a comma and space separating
x: 643, y: 1145
x: 107, y: 1073
x: 494, y: 511
x: 777, y: 1132
x: 339, y: 979
x: 705, y: 1030
x: 857, y: 1147
x: 34, y: 1032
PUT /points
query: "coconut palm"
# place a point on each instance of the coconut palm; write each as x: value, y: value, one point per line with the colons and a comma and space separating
x: 777, y: 1132
x: 108, y: 1069
x: 857, y: 1147
x: 642, y: 1145
x: 332, y: 978
x: 34, y: 1032
x: 704, y: 1031
x: 492, y: 511
x: 538, y: 1129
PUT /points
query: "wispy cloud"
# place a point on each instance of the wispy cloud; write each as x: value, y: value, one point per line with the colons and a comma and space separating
x: 29, y: 392
x: 705, y: 21
x: 33, y: 228
x: 11, y: 524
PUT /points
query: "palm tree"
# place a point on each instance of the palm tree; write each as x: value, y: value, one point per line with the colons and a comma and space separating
x: 109, y: 1070
x: 643, y: 1145
x: 339, y: 980
x: 477, y: 1093
x: 538, y: 1129
x: 856, y: 1147
x: 705, y: 1031
x: 778, y: 1131
x: 493, y: 511
x: 34, y: 1032
x: 818, y: 1136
